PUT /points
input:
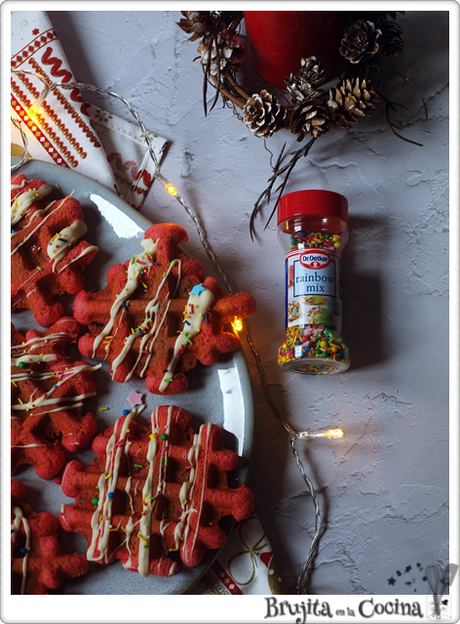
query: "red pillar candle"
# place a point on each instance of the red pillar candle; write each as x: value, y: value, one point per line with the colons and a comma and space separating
x: 278, y: 40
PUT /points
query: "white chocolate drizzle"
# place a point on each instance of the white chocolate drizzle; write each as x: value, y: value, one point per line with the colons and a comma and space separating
x: 41, y: 341
x: 181, y: 532
x: 22, y: 202
x: 84, y: 252
x: 30, y: 358
x: 61, y: 242
x: 58, y: 247
x: 47, y: 398
x: 36, y: 214
x: 156, y: 311
x: 102, y: 516
x: 153, y: 316
x: 101, y: 520
x: 195, y: 310
x: 134, y: 271
x: 148, y: 498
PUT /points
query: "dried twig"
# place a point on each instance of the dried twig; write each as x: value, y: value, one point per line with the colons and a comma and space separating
x: 278, y: 172
x: 226, y: 93
x: 412, y: 84
x: 216, y: 96
x: 205, y: 82
x: 392, y: 105
x: 237, y: 88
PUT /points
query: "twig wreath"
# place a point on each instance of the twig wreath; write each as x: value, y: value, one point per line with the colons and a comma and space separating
x: 313, y: 108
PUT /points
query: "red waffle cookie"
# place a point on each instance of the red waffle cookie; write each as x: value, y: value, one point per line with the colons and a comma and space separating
x: 38, y: 562
x: 154, y: 493
x: 156, y: 317
x: 47, y: 394
x: 46, y: 260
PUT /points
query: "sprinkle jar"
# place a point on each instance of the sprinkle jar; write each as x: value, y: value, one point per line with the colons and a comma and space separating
x: 313, y: 230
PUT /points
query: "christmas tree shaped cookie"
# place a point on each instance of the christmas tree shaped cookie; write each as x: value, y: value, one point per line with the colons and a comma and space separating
x: 158, y: 316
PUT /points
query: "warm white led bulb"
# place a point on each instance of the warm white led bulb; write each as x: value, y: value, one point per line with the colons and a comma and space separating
x: 334, y: 433
x: 237, y: 324
x: 35, y: 107
x: 33, y: 111
x: 171, y: 188
x: 329, y: 433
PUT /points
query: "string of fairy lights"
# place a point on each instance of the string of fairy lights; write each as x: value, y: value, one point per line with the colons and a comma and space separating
x: 239, y: 325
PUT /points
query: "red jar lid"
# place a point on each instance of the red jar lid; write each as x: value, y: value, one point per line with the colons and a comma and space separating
x: 313, y: 202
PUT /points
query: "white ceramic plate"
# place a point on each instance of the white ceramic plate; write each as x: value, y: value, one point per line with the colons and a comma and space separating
x: 221, y: 394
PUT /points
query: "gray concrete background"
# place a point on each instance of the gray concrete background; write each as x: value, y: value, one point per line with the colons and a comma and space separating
x: 384, y: 486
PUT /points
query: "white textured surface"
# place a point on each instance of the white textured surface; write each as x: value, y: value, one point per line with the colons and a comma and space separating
x: 384, y: 486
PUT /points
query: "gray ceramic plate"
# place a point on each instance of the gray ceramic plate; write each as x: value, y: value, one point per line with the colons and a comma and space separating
x: 221, y: 394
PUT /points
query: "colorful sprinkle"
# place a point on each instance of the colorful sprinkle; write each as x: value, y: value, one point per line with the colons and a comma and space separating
x: 315, y: 345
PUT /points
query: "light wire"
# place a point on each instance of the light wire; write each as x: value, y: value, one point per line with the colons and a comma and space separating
x: 301, y: 587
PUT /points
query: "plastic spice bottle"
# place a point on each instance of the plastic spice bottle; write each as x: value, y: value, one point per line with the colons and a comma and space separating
x: 313, y: 230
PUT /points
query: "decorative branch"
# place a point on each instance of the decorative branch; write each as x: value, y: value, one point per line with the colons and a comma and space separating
x: 278, y: 172
x: 216, y: 43
x: 222, y: 89
x: 237, y: 88
x: 392, y: 105
x: 412, y: 84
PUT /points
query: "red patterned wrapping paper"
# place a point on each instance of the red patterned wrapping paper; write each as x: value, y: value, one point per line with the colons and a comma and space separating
x: 66, y: 130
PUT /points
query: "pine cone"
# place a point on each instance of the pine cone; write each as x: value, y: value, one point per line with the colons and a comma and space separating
x: 229, y: 53
x: 349, y: 101
x: 200, y: 24
x: 194, y: 24
x: 360, y: 40
x: 391, y: 41
x: 310, y: 117
x: 303, y: 85
x: 263, y: 114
